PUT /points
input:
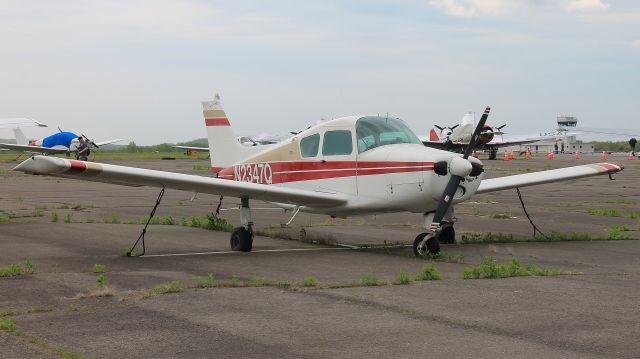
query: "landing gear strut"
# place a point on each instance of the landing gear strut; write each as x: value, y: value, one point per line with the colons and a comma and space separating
x: 242, y: 237
x: 429, y: 242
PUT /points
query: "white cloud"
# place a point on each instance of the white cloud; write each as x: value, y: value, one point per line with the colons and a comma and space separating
x: 468, y: 8
x: 586, y: 6
x: 636, y: 44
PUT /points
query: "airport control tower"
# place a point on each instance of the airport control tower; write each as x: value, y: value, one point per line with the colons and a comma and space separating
x: 567, y: 121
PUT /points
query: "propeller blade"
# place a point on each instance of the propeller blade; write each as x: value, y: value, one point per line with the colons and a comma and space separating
x: 438, y: 127
x: 501, y: 127
x: 454, y: 127
x: 454, y: 182
x: 476, y: 134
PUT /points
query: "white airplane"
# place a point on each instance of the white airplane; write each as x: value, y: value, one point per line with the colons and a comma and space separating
x: 457, y: 138
x: 346, y: 166
x: 15, y: 124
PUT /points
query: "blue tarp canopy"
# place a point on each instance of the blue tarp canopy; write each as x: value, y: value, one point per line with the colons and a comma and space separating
x: 59, y: 139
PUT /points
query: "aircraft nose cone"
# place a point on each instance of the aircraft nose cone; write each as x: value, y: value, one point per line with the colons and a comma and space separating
x: 460, y: 167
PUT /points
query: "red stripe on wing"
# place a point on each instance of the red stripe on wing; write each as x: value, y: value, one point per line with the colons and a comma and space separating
x: 76, y: 167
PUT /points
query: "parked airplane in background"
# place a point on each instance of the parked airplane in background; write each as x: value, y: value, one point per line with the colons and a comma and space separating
x: 61, y: 142
x: 343, y: 167
x: 15, y: 124
x: 457, y: 138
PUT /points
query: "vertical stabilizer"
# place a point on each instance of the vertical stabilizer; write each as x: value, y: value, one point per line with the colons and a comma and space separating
x: 21, y: 139
x: 224, y: 148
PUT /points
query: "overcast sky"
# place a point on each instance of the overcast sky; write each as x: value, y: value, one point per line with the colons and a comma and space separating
x: 139, y: 69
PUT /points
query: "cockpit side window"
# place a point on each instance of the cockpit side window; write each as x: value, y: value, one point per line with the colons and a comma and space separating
x: 337, y: 142
x: 309, y: 145
x: 373, y: 132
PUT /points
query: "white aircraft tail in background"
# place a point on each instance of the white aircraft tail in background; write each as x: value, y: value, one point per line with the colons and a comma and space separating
x: 21, y: 139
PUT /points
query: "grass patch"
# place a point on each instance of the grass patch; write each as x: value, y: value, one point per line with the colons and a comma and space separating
x: 54, y: 217
x: 371, y: 279
x: 488, y: 268
x: 39, y: 309
x: 428, y: 272
x: 67, y: 218
x: 261, y: 282
x: 634, y: 215
x: 99, y: 268
x: 618, y: 232
x: 310, y: 282
x: 16, y: 269
x: 171, y: 287
x: 101, y: 279
x: 235, y: 281
x: 114, y: 219
x: 208, y: 282
x: 604, y: 212
x: 613, y: 233
x: 501, y: 215
x: 4, y: 218
x: 402, y: 278
x: 7, y: 324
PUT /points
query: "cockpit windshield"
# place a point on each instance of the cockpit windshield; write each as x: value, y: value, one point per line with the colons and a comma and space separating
x: 373, y: 131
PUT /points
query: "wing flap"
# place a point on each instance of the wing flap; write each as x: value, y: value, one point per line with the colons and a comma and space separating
x: 536, y: 178
x: 132, y: 176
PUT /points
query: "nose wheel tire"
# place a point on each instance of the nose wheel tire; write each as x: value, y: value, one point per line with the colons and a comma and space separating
x: 241, y: 240
x: 424, y: 244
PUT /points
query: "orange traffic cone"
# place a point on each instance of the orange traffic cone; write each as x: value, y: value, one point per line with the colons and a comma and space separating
x: 577, y: 156
x: 604, y: 155
x: 474, y: 154
x: 512, y: 156
x: 551, y: 155
x: 506, y: 155
x: 631, y: 156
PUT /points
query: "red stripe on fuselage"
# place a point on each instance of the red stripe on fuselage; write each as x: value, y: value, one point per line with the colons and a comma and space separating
x: 77, y: 167
x: 217, y: 122
x: 282, y: 172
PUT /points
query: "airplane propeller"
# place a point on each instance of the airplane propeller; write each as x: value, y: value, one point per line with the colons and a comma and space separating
x: 459, y: 169
x: 91, y: 142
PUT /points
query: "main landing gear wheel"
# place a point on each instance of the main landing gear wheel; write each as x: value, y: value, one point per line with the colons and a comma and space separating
x: 447, y: 235
x: 422, y: 247
x: 241, y: 240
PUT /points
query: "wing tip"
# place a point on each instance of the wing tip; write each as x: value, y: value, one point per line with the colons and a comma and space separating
x: 611, y: 166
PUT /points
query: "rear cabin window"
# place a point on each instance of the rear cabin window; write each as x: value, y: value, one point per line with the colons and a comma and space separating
x: 309, y: 145
x: 337, y: 143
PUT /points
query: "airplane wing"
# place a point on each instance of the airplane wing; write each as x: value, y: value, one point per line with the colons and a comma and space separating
x: 34, y: 149
x: 622, y: 132
x: 19, y: 122
x: 107, y: 142
x: 536, y: 178
x: 131, y: 176
x: 203, y: 149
